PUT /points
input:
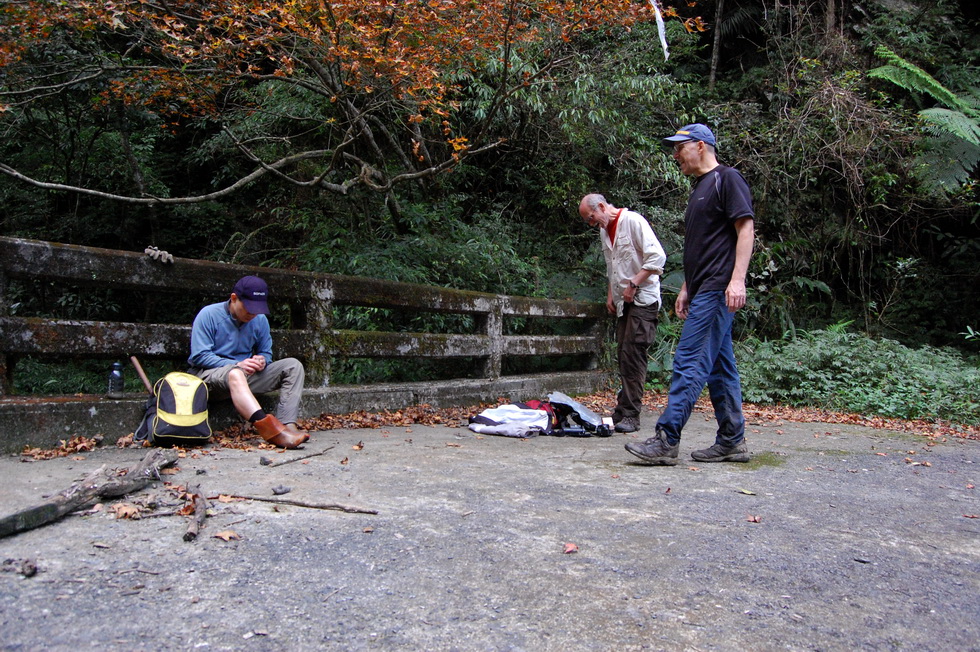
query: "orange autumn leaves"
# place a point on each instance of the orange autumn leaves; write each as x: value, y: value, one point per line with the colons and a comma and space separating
x: 393, y: 51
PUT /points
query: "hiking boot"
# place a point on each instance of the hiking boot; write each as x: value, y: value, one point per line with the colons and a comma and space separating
x: 273, y: 431
x: 628, y: 424
x: 655, y: 450
x: 294, y: 429
x: 722, y: 453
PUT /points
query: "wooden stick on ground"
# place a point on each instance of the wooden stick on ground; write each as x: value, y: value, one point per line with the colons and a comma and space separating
x: 101, y: 483
x: 297, y: 459
x: 298, y: 503
x: 200, y: 511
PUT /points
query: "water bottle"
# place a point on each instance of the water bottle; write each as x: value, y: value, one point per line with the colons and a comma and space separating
x: 116, y: 381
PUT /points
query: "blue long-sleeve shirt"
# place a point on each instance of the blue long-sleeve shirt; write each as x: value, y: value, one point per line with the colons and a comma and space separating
x: 218, y: 339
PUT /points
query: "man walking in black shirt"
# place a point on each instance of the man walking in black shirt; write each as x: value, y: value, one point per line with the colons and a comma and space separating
x: 718, y: 235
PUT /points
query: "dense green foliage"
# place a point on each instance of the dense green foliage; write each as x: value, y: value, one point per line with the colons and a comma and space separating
x: 846, y: 371
x: 858, y: 131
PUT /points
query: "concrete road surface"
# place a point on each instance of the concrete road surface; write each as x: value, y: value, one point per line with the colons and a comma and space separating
x: 833, y: 538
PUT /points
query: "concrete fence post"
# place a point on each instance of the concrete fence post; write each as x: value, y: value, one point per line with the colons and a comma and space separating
x: 601, y: 331
x: 491, y: 324
x: 320, y: 324
x: 6, y: 367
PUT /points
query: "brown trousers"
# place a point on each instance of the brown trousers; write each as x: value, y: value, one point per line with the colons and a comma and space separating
x: 635, y: 332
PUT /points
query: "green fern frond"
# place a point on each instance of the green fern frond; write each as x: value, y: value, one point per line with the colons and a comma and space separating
x: 952, y: 152
x: 947, y: 163
x: 972, y: 99
x: 740, y: 22
x: 913, y: 78
x: 940, y: 121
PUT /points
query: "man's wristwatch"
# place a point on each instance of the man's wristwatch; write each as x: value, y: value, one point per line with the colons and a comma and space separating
x: 634, y: 285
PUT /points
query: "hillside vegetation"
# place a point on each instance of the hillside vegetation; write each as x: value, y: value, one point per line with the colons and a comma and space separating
x: 348, y: 137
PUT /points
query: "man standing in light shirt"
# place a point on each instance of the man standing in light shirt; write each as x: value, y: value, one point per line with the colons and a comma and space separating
x: 634, y: 263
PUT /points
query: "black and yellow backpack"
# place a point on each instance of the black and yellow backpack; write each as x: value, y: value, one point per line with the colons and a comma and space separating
x: 177, y: 412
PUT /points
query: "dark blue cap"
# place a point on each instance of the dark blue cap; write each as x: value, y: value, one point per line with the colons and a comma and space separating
x: 254, y: 293
x: 696, y: 131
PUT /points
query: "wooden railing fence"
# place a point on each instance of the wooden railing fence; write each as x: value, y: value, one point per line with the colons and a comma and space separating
x: 310, y: 298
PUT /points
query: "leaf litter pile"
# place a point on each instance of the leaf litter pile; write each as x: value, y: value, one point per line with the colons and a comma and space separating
x: 191, y: 502
x: 602, y: 403
x: 242, y: 436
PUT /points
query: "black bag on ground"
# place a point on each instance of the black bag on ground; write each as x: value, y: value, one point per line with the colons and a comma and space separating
x: 567, y: 408
x: 177, y: 412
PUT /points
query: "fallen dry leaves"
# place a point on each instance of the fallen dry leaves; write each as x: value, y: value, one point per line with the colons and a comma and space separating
x: 421, y: 415
x: 73, y: 446
x: 243, y: 437
x: 227, y: 535
x: 932, y: 429
x: 126, y: 510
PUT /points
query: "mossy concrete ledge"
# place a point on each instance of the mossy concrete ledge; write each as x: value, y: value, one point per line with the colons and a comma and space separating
x: 45, y: 421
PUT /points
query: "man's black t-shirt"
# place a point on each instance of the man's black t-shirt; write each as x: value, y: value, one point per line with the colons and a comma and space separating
x: 718, y: 199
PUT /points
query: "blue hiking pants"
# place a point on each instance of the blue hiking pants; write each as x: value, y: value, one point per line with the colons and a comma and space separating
x: 705, y: 356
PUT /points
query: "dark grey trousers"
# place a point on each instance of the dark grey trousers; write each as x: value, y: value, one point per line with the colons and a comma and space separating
x: 286, y: 375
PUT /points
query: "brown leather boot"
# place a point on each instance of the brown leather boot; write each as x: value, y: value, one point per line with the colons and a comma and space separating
x: 274, y: 432
x: 294, y: 429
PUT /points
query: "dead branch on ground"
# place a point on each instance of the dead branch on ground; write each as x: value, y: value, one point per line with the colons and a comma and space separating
x: 102, y: 483
x: 297, y: 459
x: 299, y: 503
x: 200, y: 511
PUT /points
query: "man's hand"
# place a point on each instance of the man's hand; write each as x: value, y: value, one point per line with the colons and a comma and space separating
x: 252, y: 365
x: 629, y: 294
x: 735, y: 295
x: 683, y: 303
x: 735, y: 292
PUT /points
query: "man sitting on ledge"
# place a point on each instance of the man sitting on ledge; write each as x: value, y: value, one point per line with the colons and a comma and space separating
x: 231, y: 350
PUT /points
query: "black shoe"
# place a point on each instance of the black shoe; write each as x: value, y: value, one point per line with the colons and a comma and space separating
x: 655, y: 450
x: 722, y: 453
x: 628, y: 424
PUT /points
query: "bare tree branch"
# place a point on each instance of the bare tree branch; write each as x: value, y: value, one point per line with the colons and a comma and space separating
x: 244, y: 181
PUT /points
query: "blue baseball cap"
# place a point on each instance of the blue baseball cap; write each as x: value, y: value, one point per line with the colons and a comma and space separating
x: 686, y: 133
x: 254, y: 293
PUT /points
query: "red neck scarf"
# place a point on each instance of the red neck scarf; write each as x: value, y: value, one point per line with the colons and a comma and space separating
x: 611, y: 227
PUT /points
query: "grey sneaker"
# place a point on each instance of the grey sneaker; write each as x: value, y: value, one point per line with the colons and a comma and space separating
x: 655, y: 450
x: 722, y: 453
x: 628, y: 424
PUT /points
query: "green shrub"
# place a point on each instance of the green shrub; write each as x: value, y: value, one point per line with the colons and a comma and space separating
x: 660, y: 366
x: 846, y: 371
x: 41, y: 377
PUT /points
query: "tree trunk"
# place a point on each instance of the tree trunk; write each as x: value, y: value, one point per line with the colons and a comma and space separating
x: 716, y: 47
x: 830, y: 24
